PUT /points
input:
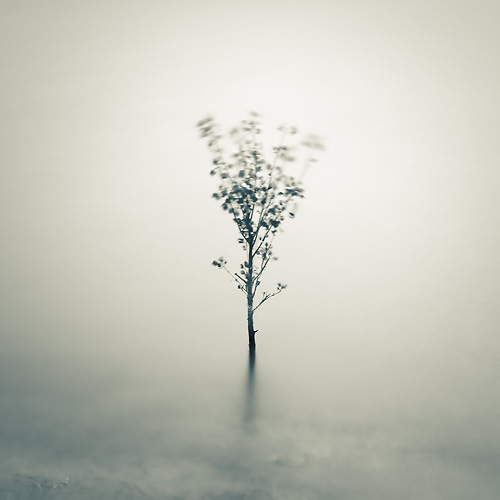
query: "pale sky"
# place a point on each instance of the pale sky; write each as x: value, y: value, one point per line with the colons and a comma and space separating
x: 107, y: 219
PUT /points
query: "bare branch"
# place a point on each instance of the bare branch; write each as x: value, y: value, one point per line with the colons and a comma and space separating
x: 235, y: 278
x: 268, y: 296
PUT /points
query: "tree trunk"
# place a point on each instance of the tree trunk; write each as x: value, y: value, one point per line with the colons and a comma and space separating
x: 251, y: 331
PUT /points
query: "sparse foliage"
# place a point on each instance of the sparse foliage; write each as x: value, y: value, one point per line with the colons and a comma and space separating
x: 258, y: 195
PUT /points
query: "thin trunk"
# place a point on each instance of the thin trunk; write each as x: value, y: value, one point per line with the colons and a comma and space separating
x: 251, y: 330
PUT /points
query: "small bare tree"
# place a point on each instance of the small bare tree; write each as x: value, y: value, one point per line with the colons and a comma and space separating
x: 258, y: 195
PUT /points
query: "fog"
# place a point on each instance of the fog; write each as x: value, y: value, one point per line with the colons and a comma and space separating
x: 124, y: 366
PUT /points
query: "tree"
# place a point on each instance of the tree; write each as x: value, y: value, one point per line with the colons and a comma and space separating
x: 258, y: 195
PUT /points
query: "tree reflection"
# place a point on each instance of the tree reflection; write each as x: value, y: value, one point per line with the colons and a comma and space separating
x: 250, y: 389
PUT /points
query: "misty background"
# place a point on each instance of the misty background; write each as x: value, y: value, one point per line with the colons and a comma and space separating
x: 123, y: 359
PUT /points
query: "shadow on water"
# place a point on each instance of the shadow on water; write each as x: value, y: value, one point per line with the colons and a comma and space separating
x: 249, y: 416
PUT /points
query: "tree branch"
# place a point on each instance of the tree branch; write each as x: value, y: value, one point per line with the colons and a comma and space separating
x: 266, y: 297
x: 266, y: 202
x: 235, y: 278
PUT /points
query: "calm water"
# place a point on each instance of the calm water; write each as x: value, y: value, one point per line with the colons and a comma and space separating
x: 306, y: 419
